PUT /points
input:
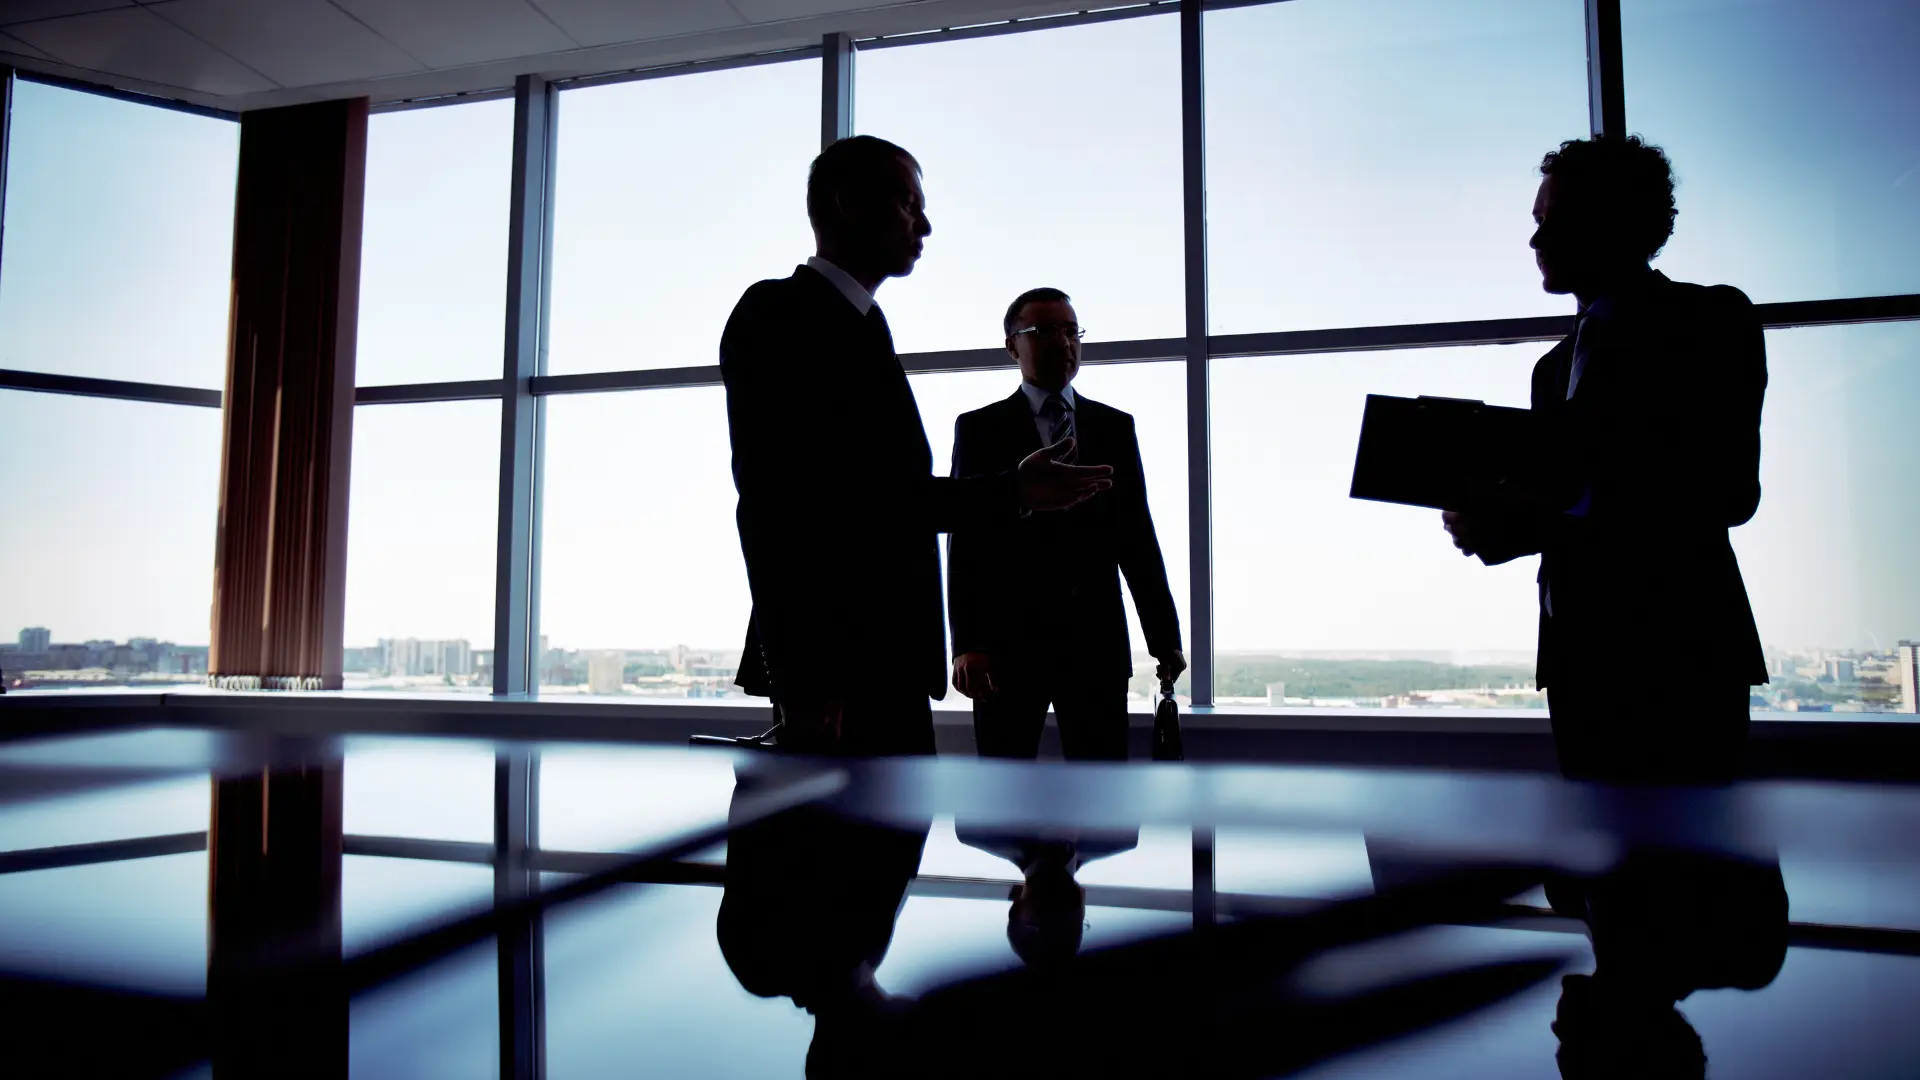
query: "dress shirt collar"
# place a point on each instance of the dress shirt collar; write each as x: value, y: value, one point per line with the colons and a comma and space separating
x: 1037, y: 397
x: 856, y: 294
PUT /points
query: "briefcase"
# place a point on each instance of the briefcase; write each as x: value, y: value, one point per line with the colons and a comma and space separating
x: 1166, y: 727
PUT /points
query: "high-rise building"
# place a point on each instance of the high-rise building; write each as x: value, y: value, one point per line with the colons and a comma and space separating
x: 606, y: 671
x: 35, y: 639
x: 1910, y: 677
x: 1840, y: 669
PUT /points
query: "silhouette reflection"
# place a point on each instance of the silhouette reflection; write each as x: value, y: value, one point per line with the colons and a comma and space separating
x: 1665, y: 924
x: 808, y: 913
x: 1048, y: 915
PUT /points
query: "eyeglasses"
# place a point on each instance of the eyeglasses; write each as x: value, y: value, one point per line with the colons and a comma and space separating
x: 1063, y: 330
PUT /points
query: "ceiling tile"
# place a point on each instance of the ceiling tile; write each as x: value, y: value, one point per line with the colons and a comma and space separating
x: 609, y: 22
x: 135, y: 43
x: 447, y: 33
x: 294, y: 42
x: 14, y: 45
x: 13, y: 11
x: 775, y: 10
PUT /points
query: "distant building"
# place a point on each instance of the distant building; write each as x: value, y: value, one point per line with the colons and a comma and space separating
x: 1840, y: 669
x: 1276, y: 695
x: 35, y: 639
x: 412, y: 656
x: 606, y: 672
x: 1910, y: 677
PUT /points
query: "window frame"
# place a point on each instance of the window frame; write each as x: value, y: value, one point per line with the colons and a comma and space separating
x: 523, y: 384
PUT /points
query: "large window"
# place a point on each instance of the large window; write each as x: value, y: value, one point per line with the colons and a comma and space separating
x: 421, y: 528
x: 119, y: 239
x: 1369, y: 170
x: 433, y: 265
x: 1791, y: 127
x: 1050, y: 159
x: 1828, y: 559
x: 106, y: 541
x: 1372, y: 161
x: 642, y: 588
x: 1323, y: 600
x: 673, y: 196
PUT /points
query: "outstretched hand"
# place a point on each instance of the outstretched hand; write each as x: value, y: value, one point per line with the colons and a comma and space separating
x: 1048, y: 484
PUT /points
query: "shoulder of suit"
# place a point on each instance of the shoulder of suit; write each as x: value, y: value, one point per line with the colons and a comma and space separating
x: 1083, y: 403
x: 984, y: 413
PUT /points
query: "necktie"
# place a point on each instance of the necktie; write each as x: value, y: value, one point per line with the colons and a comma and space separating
x: 1059, y: 424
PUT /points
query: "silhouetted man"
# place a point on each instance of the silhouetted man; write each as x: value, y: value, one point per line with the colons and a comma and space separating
x: 839, y: 509
x: 1035, y: 603
x: 1657, y: 392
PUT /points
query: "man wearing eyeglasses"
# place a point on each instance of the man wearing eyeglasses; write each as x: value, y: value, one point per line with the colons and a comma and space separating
x: 1034, y: 603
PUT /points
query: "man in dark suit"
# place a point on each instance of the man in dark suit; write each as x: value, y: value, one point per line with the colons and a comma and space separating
x: 1657, y: 396
x: 839, y: 511
x: 1035, y: 602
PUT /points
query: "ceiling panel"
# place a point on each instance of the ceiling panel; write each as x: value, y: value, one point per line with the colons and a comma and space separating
x: 294, y: 42
x: 447, y: 33
x: 14, y: 45
x: 609, y: 22
x: 775, y: 10
x: 13, y: 11
x: 138, y: 44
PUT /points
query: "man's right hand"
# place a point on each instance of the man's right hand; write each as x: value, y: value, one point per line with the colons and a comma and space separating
x: 811, y: 726
x: 1047, y: 484
x: 973, y: 675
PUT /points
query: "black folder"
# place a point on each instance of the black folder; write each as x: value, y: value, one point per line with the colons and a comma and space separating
x: 1452, y: 454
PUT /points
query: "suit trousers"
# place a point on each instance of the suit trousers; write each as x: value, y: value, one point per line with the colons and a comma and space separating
x: 1700, y: 740
x: 1092, y: 710
x: 874, y: 722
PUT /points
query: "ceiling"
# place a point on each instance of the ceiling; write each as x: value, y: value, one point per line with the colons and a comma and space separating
x: 249, y: 54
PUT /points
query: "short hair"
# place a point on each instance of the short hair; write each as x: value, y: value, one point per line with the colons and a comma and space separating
x: 1041, y: 295
x: 857, y: 165
x: 1632, y: 178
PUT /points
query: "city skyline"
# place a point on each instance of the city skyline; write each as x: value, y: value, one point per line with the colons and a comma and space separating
x: 1849, y: 682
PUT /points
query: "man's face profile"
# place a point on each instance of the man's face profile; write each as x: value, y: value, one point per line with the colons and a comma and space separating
x: 891, y: 223
x: 1045, y: 345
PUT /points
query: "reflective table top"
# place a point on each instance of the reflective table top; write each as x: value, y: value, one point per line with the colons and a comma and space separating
x: 452, y: 908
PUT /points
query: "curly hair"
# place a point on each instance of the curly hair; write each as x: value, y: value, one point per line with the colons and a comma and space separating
x: 1632, y: 177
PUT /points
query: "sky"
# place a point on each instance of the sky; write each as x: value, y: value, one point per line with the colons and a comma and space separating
x: 1369, y: 162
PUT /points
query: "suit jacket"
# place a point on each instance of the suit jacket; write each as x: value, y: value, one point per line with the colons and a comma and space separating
x: 839, y: 509
x: 1664, y: 428
x: 1046, y: 588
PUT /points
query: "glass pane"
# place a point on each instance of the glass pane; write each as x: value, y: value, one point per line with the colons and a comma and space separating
x: 422, y: 525
x: 1791, y: 127
x: 1320, y: 599
x: 1156, y: 395
x: 433, y: 258
x: 1828, y: 560
x: 106, y: 558
x: 119, y: 239
x: 642, y: 588
x: 1051, y: 158
x: 672, y: 196
x: 1373, y: 161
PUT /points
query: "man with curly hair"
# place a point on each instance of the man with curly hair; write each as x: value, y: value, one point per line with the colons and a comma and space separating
x: 1656, y: 393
